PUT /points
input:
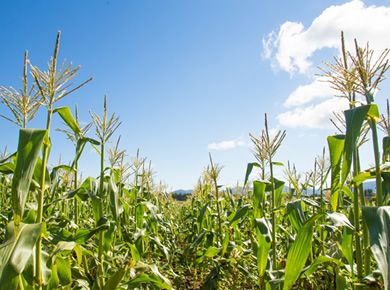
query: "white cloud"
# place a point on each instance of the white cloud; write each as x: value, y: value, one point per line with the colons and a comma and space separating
x: 313, y: 116
x: 306, y: 93
x: 224, y: 145
x: 292, y: 47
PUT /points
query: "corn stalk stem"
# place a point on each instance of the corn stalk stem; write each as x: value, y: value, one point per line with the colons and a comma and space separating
x: 356, y: 209
x: 41, y: 193
x: 101, y: 233
x: 273, y: 214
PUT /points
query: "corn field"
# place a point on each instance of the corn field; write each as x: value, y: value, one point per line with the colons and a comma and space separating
x: 121, y: 230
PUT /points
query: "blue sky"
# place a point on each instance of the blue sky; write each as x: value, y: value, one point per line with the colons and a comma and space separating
x: 192, y: 77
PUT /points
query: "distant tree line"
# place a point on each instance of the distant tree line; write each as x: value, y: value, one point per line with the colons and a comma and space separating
x: 180, y: 196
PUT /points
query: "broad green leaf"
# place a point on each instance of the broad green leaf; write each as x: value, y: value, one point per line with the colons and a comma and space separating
x: 299, y: 251
x: 37, y: 177
x: 82, y: 235
x: 140, y: 210
x: 30, y: 143
x: 240, y: 213
x: 336, y: 146
x: 64, y: 271
x: 225, y: 242
x: 340, y: 219
x: 15, y: 253
x: 378, y: 223
x: 363, y: 176
x: 109, y: 236
x: 258, y: 197
x: 296, y: 214
x: 263, y: 235
x: 134, y: 253
x: 211, y: 252
x: 54, y: 281
x: 61, y: 246
x: 199, y: 220
x: 278, y: 188
x: 67, y: 116
x: 115, y: 279
x: 156, y: 279
x: 354, y: 120
x: 7, y: 168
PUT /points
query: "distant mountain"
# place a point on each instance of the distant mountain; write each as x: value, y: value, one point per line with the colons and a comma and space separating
x: 183, y: 191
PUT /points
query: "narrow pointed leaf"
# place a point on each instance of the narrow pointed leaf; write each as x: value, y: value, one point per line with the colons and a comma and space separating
x: 67, y: 116
x: 299, y: 251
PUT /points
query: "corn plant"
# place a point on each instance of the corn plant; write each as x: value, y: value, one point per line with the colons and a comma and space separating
x: 23, y: 103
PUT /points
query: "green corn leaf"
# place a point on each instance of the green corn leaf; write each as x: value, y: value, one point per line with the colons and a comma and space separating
x: 346, y: 243
x: 115, y: 205
x: 64, y: 271
x: 320, y: 259
x: 211, y: 280
x: 240, y: 213
x: 199, y: 220
x: 15, y: 253
x: 67, y: 116
x: 258, y: 197
x: 225, y: 242
x: 340, y: 219
x: 149, y: 279
x: 54, y: 281
x: 82, y: 235
x: 354, y: 120
x: 115, y: 279
x: 30, y: 143
x: 134, y: 253
x: 7, y: 168
x: 61, y: 246
x: 155, y: 278
x: 81, y: 142
x: 378, y: 223
x: 299, y: 251
x: 140, y: 215
x: 363, y: 176
x: 249, y: 169
x: 197, y: 241
x: 211, y: 252
x: 336, y: 146
x: 296, y: 214
x: 385, y: 148
x: 263, y: 235
x: 38, y: 174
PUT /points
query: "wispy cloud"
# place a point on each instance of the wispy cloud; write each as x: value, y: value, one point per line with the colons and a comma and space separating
x: 224, y: 145
x: 292, y: 46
